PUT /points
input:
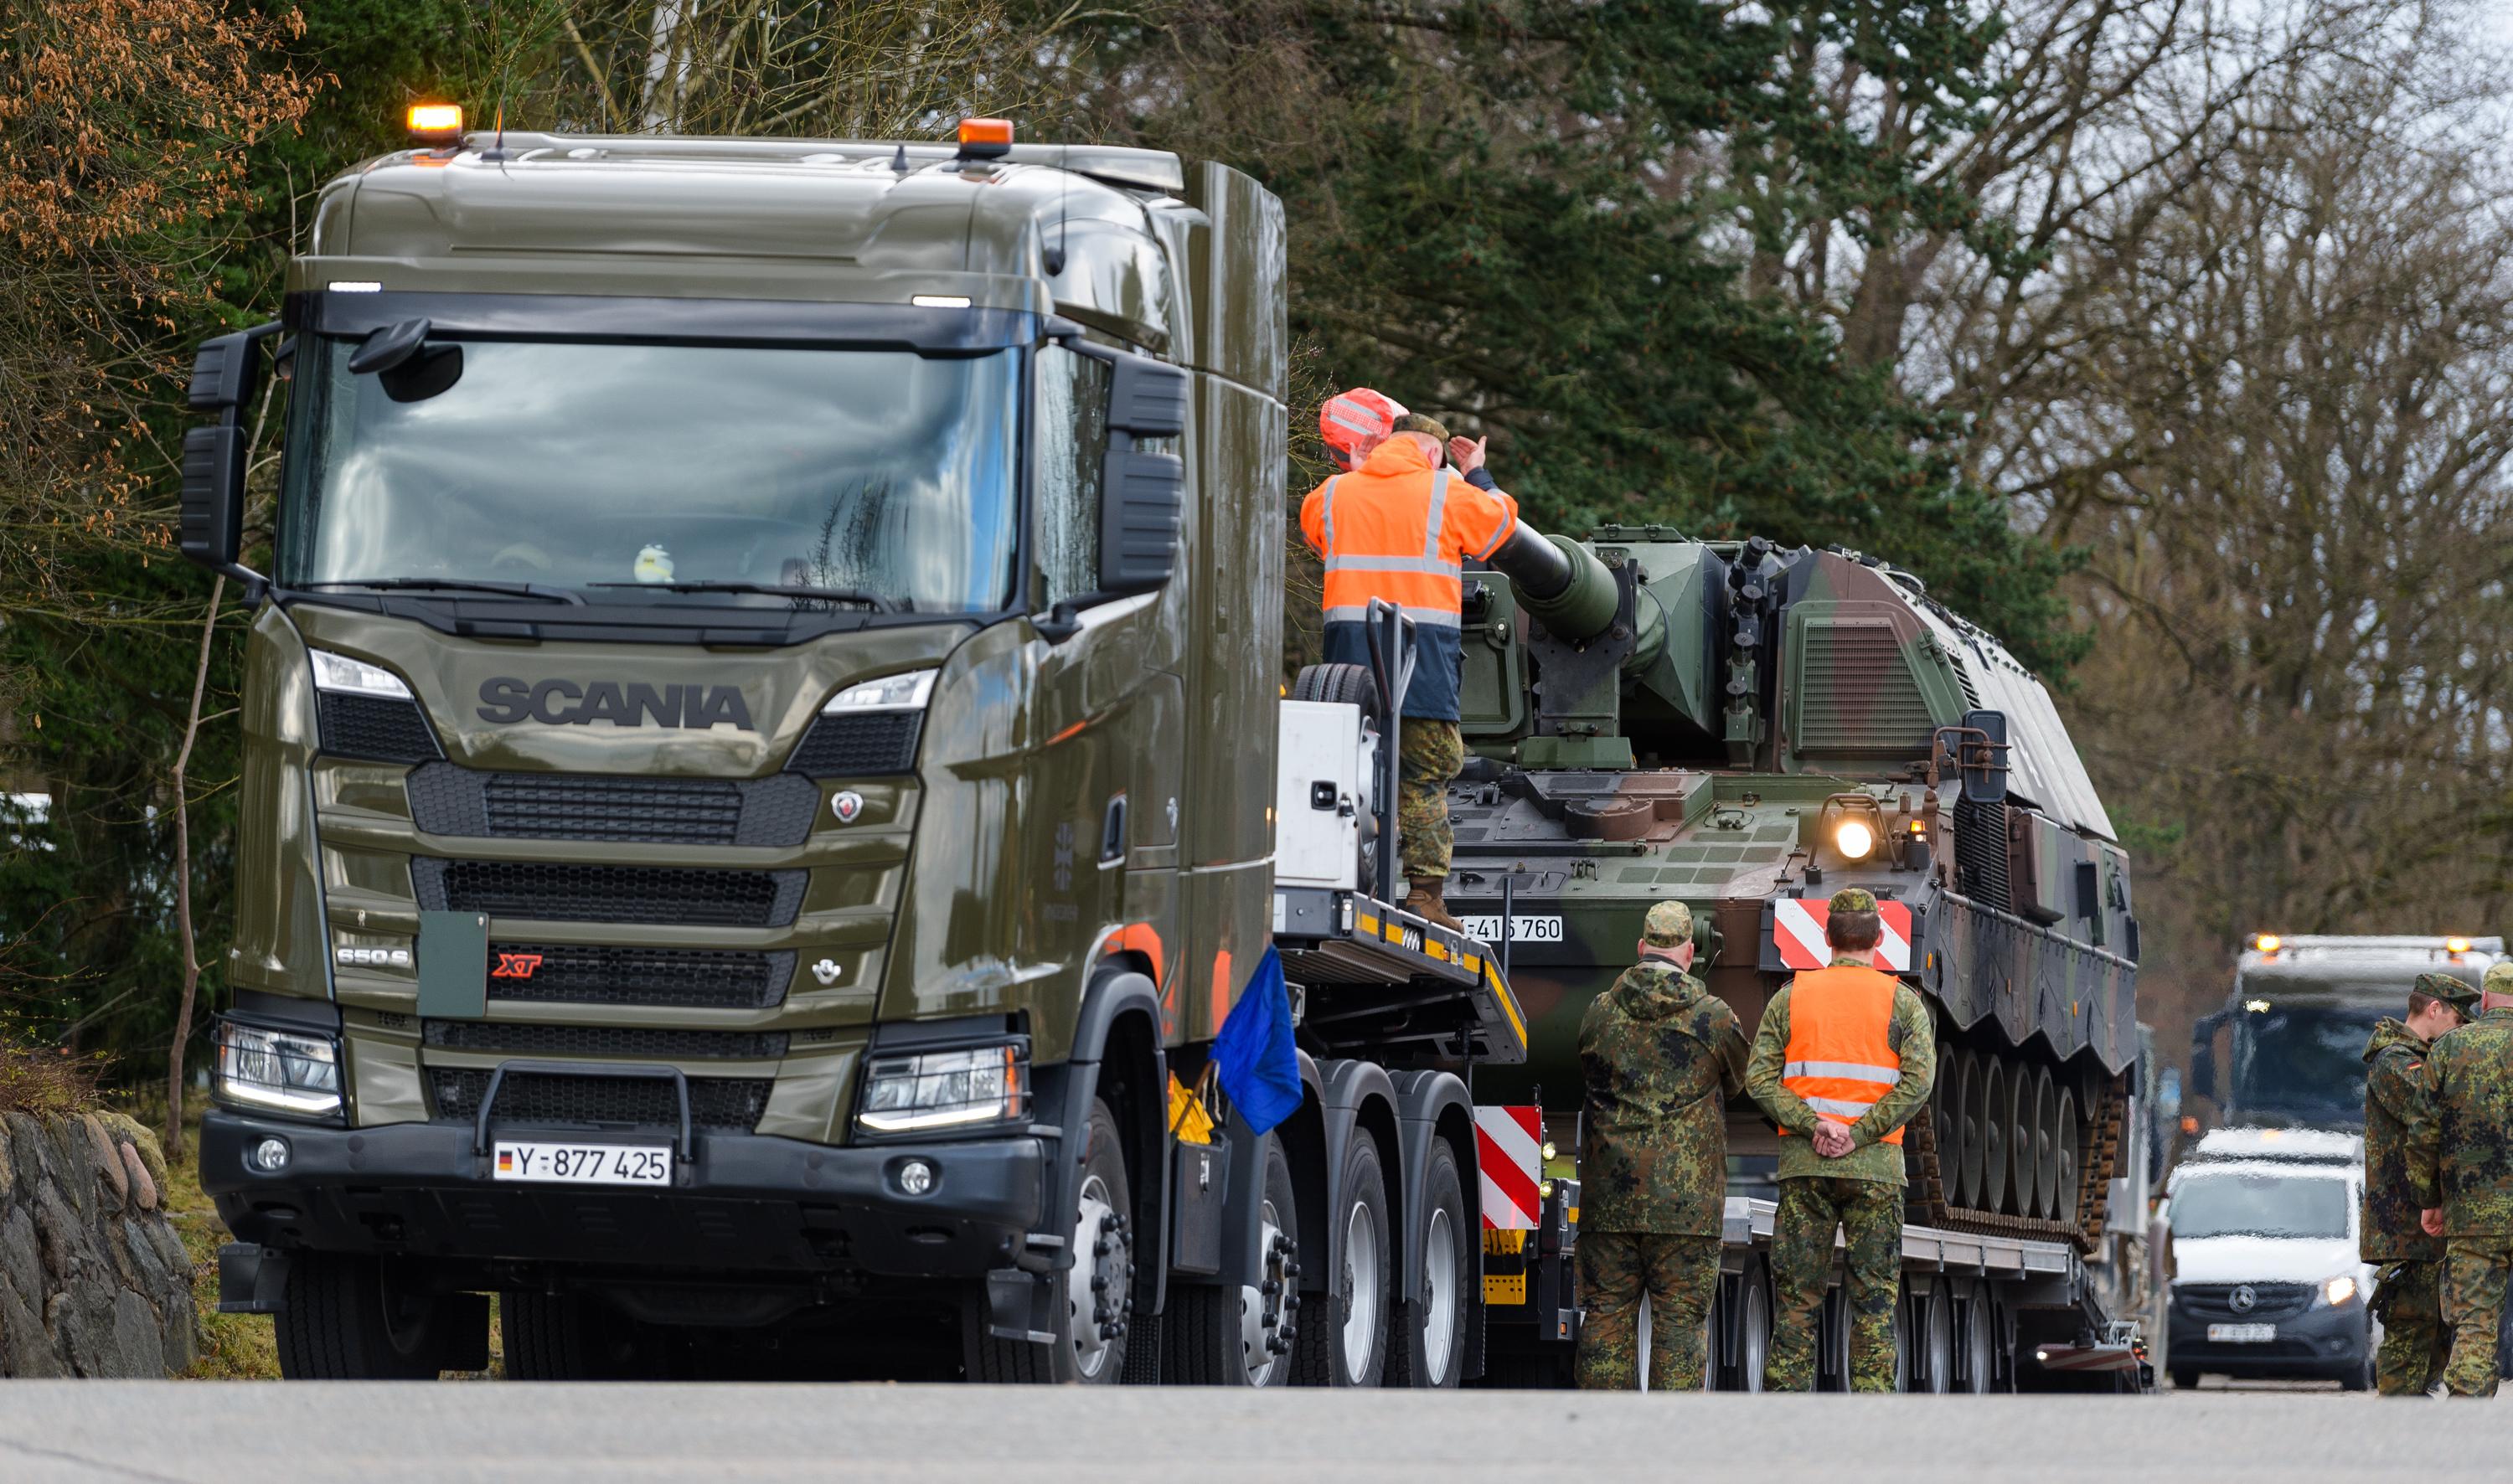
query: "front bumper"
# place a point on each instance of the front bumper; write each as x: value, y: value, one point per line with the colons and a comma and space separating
x: 745, y: 1204
x: 2317, y: 1344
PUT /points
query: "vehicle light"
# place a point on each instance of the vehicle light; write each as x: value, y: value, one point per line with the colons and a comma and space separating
x: 435, y: 123
x: 892, y: 692
x: 2339, y: 1290
x: 343, y: 676
x: 2456, y: 945
x: 1855, y: 839
x: 269, y: 1156
x: 2190, y: 1123
x: 1919, y: 827
x: 2255, y: 1006
x: 278, y: 1071
x: 939, y: 301
x: 2267, y: 943
x: 985, y: 138
x: 946, y: 1089
x: 355, y: 285
x: 1548, y: 1152
x: 916, y: 1177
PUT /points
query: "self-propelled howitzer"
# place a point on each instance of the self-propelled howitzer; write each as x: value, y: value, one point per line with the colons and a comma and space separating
x: 1748, y: 730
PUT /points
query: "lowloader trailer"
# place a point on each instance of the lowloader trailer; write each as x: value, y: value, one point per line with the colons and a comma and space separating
x: 761, y: 787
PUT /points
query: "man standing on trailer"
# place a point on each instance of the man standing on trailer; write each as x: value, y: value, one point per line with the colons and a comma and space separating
x: 2464, y: 1152
x: 1661, y: 1057
x: 2407, y: 1281
x: 1844, y: 1058
x: 1399, y: 526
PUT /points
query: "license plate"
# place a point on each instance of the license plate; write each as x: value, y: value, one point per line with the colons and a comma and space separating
x: 2241, y: 1334
x: 1522, y: 929
x: 583, y: 1163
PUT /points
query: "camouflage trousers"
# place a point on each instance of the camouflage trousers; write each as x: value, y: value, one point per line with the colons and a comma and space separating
x: 2408, y: 1297
x: 1428, y: 754
x: 1679, y: 1273
x: 1869, y: 1215
x: 2473, y: 1306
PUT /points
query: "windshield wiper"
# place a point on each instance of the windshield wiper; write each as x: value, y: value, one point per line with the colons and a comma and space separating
x: 872, y: 601
x: 532, y: 590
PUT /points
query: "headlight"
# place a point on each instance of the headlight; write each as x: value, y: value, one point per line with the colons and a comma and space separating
x: 892, y: 692
x: 278, y: 1071
x: 946, y: 1089
x: 1855, y: 839
x: 2339, y: 1290
x: 343, y: 676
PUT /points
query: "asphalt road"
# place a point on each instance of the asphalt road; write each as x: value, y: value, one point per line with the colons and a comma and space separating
x: 100, y: 1432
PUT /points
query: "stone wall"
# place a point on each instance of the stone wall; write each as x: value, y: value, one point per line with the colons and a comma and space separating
x: 93, y: 1280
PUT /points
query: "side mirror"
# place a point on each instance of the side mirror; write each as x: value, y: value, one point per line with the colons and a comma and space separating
x: 2203, y: 1054
x: 1987, y: 782
x: 227, y: 377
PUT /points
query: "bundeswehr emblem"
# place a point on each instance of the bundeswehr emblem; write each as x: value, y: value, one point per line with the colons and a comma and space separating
x: 846, y: 804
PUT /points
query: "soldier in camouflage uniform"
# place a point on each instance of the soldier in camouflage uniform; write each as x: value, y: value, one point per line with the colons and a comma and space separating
x: 2408, y: 1282
x: 1661, y: 1057
x: 2465, y: 1150
x: 1841, y: 1154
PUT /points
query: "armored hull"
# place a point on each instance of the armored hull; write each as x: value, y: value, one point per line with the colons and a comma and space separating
x: 1752, y: 729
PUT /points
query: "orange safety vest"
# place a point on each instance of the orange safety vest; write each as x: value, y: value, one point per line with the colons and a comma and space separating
x: 1399, y: 529
x: 1840, y: 1057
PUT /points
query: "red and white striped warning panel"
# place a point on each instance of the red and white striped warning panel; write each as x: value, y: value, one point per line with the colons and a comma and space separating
x: 1797, y: 931
x: 1509, y: 1149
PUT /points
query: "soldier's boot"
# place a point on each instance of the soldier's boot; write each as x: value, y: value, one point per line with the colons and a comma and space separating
x: 1425, y: 903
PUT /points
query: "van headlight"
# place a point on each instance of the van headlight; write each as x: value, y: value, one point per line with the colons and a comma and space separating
x: 2337, y: 1291
x: 945, y: 1089
x: 282, y: 1072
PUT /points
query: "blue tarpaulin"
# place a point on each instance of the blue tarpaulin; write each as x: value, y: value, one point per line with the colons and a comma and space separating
x: 1254, y: 1057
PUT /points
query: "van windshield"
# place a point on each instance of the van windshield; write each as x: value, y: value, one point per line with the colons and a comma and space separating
x: 620, y: 469
x: 2232, y: 1203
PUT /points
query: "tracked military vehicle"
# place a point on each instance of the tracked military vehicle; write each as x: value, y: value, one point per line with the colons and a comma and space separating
x: 1748, y: 730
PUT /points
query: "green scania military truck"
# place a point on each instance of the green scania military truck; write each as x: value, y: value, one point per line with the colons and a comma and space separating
x: 759, y: 781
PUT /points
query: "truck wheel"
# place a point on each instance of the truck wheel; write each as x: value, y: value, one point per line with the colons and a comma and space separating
x: 565, y: 1337
x: 1979, y: 1339
x: 338, y: 1324
x: 1237, y: 1336
x: 2185, y: 1381
x: 1430, y: 1328
x: 1753, y: 1327
x: 1348, y: 1346
x: 1098, y: 1288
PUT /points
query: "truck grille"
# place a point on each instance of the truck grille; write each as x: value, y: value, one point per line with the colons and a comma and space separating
x: 717, y: 1105
x: 2214, y: 1302
x: 602, y: 1042
x: 877, y: 742
x: 771, y: 812
x: 564, y: 893
x: 375, y: 728
x: 588, y: 975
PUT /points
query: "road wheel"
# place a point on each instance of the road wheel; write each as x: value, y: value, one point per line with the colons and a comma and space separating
x: 1832, y: 1341
x: 1348, y: 1345
x: 2071, y: 1138
x: 344, y: 1322
x: 1997, y: 1113
x: 1430, y: 1328
x: 1243, y: 1336
x: 1967, y: 1103
x: 2185, y: 1381
x: 1753, y: 1328
x: 2046, y: 1144
x: 568, y: 1337
x: 1098, y: 1288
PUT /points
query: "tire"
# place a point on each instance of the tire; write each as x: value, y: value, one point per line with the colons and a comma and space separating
x: 2184, y: 1380
x: 1977, y: 1339
x: 1346, y: 1344
x: 1429, y: 1329
x: 1832, y: 1341
x: 1753, y: 1328
x: 1347, y: 683
x: 1216, y: 1335
x: 1099, y: 1287
x: 566, y: 1337
x: 335, y: 1325
x: 1936, y: 1340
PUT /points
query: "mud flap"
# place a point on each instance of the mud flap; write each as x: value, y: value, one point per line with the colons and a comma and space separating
x: 253, y: 1279
x: 1021, y: 1305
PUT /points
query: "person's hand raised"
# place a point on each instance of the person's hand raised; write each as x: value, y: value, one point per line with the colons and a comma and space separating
x: 1467, y: 454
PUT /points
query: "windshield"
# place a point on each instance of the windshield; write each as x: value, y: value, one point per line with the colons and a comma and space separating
x: 2301, y: 1064
x: 2227, y: 1203
x: 885, y: 472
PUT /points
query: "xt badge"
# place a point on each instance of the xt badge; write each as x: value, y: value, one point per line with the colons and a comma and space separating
x: 825, y: 971
x: 846, y: 803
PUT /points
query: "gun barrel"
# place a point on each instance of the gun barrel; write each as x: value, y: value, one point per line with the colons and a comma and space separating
x: 1560, y: 582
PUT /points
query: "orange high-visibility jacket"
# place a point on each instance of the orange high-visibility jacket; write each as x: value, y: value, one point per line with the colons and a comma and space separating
x: 1396, y: 529
x: 1840, y: 1057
